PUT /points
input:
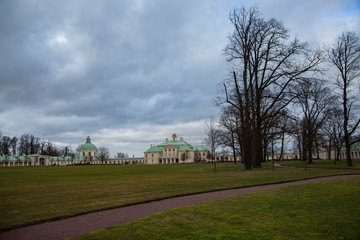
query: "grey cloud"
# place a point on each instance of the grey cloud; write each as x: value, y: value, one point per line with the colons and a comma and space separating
x: 82, y: 66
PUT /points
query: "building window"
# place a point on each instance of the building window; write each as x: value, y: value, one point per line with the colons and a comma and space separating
x: 89, y: 153
x: 84, y: 154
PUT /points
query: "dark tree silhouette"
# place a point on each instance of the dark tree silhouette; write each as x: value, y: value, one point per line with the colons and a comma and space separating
x: 344, y: 55
x: 103, y: 154
x: 265, y: 64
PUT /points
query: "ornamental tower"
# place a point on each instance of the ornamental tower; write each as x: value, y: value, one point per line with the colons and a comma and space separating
x: 88, y: 150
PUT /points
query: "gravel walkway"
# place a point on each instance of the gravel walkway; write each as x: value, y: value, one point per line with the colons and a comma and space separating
x: 75, y: 226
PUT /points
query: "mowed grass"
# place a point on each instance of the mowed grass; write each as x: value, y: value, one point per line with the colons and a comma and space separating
x: 323, y: 164
x: 326, y: 210
x: 30, y: 195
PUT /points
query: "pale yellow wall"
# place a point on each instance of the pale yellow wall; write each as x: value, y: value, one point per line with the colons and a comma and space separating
x: 93, y: 153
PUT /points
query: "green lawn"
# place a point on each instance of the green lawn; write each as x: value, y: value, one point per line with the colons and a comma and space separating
x: 327, y: 210
x: 30, y: 195
x: 323, y: 163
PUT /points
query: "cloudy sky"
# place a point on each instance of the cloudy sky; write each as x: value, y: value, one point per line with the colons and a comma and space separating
x: 129, y: 73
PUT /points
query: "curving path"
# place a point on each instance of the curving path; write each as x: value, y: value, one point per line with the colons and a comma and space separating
x: 75, y: 226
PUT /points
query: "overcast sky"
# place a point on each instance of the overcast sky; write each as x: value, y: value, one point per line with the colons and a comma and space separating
x: 130, y: 73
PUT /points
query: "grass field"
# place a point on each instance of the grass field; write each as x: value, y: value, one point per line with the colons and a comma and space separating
x: 328, y: 210
x: 323, y: 164
x: 30, y: 195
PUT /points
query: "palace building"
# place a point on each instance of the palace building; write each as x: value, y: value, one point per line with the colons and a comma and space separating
x: 175, y: 151
x: 88, y: 150
x: 87, y: 155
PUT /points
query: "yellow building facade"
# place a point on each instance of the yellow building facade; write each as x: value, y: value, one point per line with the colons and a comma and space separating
x: 175, y: 151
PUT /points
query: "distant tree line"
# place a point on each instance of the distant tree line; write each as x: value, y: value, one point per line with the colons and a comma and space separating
x: 279, y: 89
x: 122, y: 155
x: 28, y: 144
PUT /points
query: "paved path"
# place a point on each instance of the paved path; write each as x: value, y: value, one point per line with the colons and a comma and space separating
x: 75, y: 226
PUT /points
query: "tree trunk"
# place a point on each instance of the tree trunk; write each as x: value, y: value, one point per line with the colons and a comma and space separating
x: 233, y: 146
x: 309, y: 149
x: 346, y: 133
x: 282, y: 146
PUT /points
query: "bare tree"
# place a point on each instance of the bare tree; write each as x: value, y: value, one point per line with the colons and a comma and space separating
x: 103, y: 154
x: 67, y: 151
x: 197, y: 157
x: 297, y: 133
x: 282, y: 126
x: 13, y: 145
x: 212, y: 139
x: 34, y: 145
x: 77, y: 149
x: 344, y: 54
x: 315, y: 101
x: 122, y: 155
x: 265, y: 64
x: 184, y: 156
x: 229, y: 134
x: 48, y: 148
x: 5, y: 145
x: 333, y: 128
x: 24, y: 146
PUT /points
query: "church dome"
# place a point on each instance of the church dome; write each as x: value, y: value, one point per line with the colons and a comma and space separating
x: 88, y: 144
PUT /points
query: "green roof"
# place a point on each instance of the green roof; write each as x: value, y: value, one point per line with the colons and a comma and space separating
x: 172, y: 143
x: 201, y: 148
x: 181, y: 144
x: 65, y: 158
x: 355, y: 146
x: 14, y: 158
x: 155, y: 149
x: 88, y: 144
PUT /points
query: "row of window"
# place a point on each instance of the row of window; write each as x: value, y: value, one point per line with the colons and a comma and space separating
x: 169, y: 154
x: 152, y: 155
x: 89, y: 154
x: 170, y: 150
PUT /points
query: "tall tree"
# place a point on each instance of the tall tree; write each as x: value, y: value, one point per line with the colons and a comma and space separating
x: 344, y: 54
x: 24, y: 145
x: 103, y: 153
x: 5, y: 145
x: 266, y: 63
x: 212, y: 139
x: 333, y: 128
x: 122, y: 155
x: 197, y: 157
x: 48, y: 148
x: 13, y: 145
x: 315, y: 101
x: 34, y: 145
x: 229, y: 134
x: 67, y: 151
